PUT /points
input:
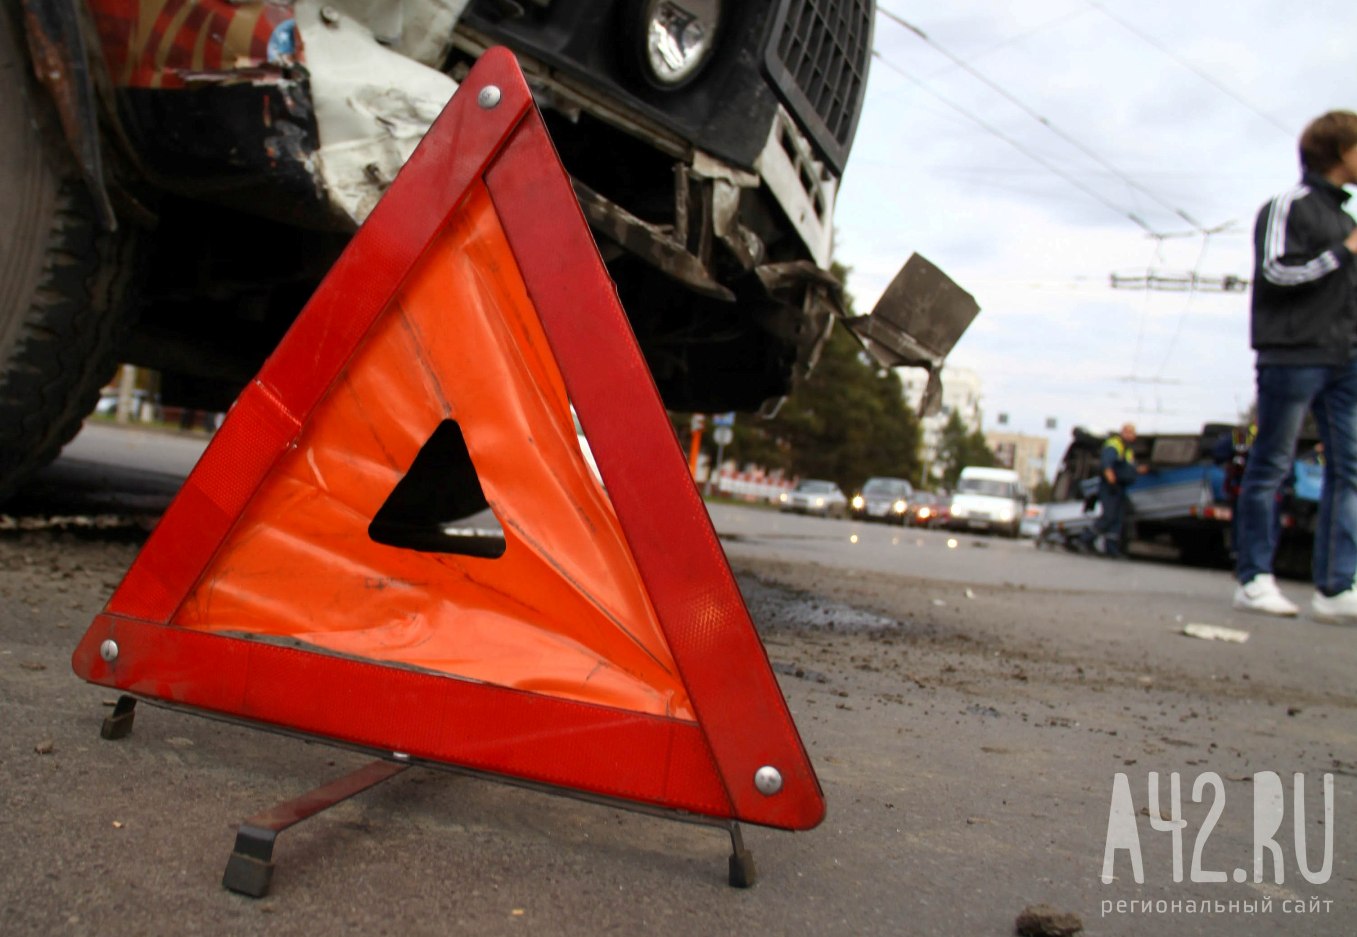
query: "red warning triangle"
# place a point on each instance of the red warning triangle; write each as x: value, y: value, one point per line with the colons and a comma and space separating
x: 581, y: 634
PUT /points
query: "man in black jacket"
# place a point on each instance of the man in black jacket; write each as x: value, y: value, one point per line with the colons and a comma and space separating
x: 1304, y: 329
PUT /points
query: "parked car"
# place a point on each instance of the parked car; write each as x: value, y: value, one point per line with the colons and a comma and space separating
x: 883, y: 499
x: 924, y: 509
x: 815, y: 496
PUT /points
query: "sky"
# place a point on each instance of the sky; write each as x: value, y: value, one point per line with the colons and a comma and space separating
x: 1032, y: 149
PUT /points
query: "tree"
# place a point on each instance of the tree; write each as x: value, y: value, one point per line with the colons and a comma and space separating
x: 847, y: 422
x: 959, y: 447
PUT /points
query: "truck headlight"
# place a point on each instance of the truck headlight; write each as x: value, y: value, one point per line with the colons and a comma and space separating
x: 858, y: 502
x: 679, y: 36
x: 900, y: 507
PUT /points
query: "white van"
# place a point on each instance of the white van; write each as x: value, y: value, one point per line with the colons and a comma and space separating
x: 988, y: 499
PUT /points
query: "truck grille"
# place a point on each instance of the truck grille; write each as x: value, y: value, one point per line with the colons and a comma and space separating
x: 818, y: 57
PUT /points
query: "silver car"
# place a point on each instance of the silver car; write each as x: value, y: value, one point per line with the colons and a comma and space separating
x: 815, y: 496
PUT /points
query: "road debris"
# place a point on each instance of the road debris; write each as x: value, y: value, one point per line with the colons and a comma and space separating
x: 1042, y: 920
x: 796, y: 670
x: 1195, y: 629
x: 98, y: 523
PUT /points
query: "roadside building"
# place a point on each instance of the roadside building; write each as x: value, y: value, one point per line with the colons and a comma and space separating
x: 960, y: 395
x: 1026, y: 455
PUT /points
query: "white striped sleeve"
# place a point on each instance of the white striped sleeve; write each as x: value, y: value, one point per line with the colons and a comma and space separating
x: 1275, y: 269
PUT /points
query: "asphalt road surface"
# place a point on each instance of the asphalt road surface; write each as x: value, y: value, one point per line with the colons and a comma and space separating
x: 969, y: 704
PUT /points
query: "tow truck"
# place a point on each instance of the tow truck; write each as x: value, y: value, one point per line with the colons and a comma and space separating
x: 1182, y: 501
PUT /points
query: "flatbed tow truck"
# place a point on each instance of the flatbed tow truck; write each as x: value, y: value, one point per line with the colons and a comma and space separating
x: 1181, y: 501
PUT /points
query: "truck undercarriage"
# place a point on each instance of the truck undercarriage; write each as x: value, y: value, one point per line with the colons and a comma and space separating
x: 198, y: 165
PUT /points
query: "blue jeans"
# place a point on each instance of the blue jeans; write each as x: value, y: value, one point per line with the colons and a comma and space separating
x: 1285, y: 393
x: 1112, y: 500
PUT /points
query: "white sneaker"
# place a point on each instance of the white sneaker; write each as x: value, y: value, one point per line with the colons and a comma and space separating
x: 1260, y: 594
x: 1340, y: 609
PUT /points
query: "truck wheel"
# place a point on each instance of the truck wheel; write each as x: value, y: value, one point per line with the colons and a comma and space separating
x: 61, y: 308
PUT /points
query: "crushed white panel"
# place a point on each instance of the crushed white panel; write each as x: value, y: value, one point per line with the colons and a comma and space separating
x: 373, y: 106
x: 801, y: 185
x: 418, y: 29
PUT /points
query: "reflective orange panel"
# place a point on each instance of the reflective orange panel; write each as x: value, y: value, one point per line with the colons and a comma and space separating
x: 562, y: 612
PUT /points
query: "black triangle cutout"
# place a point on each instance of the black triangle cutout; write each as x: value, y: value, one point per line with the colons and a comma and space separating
x: 439, y: 506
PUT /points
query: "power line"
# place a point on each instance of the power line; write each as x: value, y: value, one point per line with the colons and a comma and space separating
x: 989, y: 128
x: 1187, y: 305
x: 1040, y: 118
x: 1196, y: 70
x: 1224, y: 228
x: 1156, y: 257
x: 1020, y: 37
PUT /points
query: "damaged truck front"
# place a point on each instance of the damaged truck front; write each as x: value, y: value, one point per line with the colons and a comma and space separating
x: 180, y: 174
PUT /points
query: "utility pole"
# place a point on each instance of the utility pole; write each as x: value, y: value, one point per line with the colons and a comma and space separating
x: 1179, y: 282
x: 127, y: 384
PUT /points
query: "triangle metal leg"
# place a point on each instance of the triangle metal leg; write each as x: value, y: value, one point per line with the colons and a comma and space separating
x: 249, y: 871
x: 118, y: 724
x: 743, y: 872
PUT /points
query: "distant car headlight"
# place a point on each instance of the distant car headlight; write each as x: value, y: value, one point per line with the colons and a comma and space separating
x: 925, y: 513
x: 899, y: 507
x: 678, y: 37
x: 858, y: 502
x: 819, y: 502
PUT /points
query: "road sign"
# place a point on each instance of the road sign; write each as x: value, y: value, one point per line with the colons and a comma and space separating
x: 722, y: 435
x: 394, y: 542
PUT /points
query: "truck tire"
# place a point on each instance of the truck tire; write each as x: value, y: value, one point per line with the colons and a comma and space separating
x: 62, y: 311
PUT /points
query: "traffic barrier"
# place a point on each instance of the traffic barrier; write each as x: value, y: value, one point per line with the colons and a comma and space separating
x: 751, y: 486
